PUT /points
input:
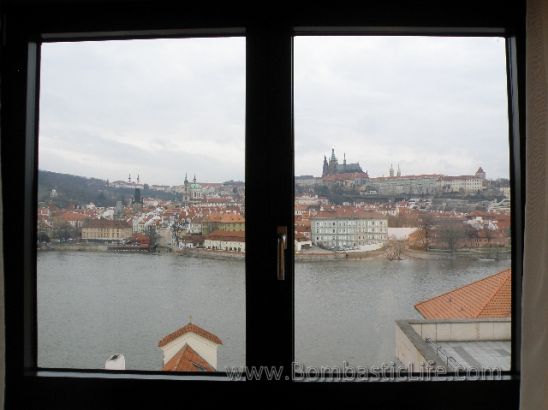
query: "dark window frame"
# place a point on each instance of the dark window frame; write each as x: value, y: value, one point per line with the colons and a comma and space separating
x: 269, y: 137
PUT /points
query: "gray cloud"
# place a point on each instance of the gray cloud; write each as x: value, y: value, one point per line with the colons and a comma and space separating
x: 166, y: 107
x: 434, y: 105
x: 158, y: 107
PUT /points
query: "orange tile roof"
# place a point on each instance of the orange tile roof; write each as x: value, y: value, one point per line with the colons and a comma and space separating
x: 107, y: 223
x: 488, y: 297
x: 187, y: 360
x: 225, y: 218
x: 189, y: 327
x: 74, y: 216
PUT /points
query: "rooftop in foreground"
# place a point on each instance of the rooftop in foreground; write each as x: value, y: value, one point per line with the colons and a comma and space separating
x: 192, y: 328
x: 455, y: 344
x: 479, y: 354
x: 485, y: 298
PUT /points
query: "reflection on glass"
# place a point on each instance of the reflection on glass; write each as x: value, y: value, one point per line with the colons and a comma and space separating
x: 402, y: 209
x: 141, y: 224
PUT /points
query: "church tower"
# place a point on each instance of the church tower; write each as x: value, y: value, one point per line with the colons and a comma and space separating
x: 332, y: 166
x: 391, y: 171
x: 186, y: 190
x: 480, y: 173
x: 332, y: 170
x: 137, y: 203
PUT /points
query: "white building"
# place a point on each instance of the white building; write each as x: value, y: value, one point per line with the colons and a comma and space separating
x: 307, y: 180
x: 190, y: 349
x: 307, y: 200
x: 163, y: 188
x: 302, y: 242
x: 408, y: 184
x: 116, y: 362
x: 467, y: 184
x: 348, y: 228
x: 129, y: 184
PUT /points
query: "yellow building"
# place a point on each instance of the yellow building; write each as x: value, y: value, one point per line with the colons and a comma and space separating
x: 106, y: 230
x: 223, y: 222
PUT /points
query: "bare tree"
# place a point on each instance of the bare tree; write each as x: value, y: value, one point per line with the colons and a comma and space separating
x: 426, y: 225
x: 152, y: 236
x: 472, y: 235
x: 451, y: 233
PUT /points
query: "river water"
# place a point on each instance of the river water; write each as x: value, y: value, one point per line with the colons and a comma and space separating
x: 91, y: 305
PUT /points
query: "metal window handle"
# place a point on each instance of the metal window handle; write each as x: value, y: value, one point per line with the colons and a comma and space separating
x: 282, y: 247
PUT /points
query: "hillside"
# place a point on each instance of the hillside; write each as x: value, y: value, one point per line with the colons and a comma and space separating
x: 77, y: 190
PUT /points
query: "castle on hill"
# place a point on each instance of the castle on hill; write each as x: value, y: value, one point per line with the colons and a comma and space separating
x: 333, y: 167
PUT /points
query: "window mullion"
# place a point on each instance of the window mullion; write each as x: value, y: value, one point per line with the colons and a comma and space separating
x: 269, y: 194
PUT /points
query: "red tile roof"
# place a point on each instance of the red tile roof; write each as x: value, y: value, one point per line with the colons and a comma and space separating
x: 228, y: 236
x: 488, y: 297
x: 348, y: 213
x: 189, y: 328
x: 225, y: 218
x: 300, y: 237
x: 107, y: 223
x: 187, y: 360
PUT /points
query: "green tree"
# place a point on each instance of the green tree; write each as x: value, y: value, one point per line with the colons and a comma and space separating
x: 42, y: 237
x: 65, y: 231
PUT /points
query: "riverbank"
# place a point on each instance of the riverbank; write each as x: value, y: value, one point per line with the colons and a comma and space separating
x: 312, y: 256
x: 309, y: 255
x: 209, y: 253
x: 73, y: 247
x: 440, y: 254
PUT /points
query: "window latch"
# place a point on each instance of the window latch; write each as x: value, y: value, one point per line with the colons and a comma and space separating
x: 282, y: 247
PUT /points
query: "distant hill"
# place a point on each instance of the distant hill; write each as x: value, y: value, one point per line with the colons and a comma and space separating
x: 76, y: 190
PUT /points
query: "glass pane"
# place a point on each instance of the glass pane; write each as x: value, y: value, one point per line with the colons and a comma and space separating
x: 402, y: 203
x: 141, y: 220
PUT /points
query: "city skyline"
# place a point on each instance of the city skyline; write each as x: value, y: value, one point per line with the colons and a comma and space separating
x: 146, y: 105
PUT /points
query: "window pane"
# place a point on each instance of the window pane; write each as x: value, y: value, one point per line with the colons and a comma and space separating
x: 402, y: 202
x: 141, y: 224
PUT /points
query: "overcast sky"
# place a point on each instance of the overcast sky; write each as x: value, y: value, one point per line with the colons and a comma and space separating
x: 163, y: 108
